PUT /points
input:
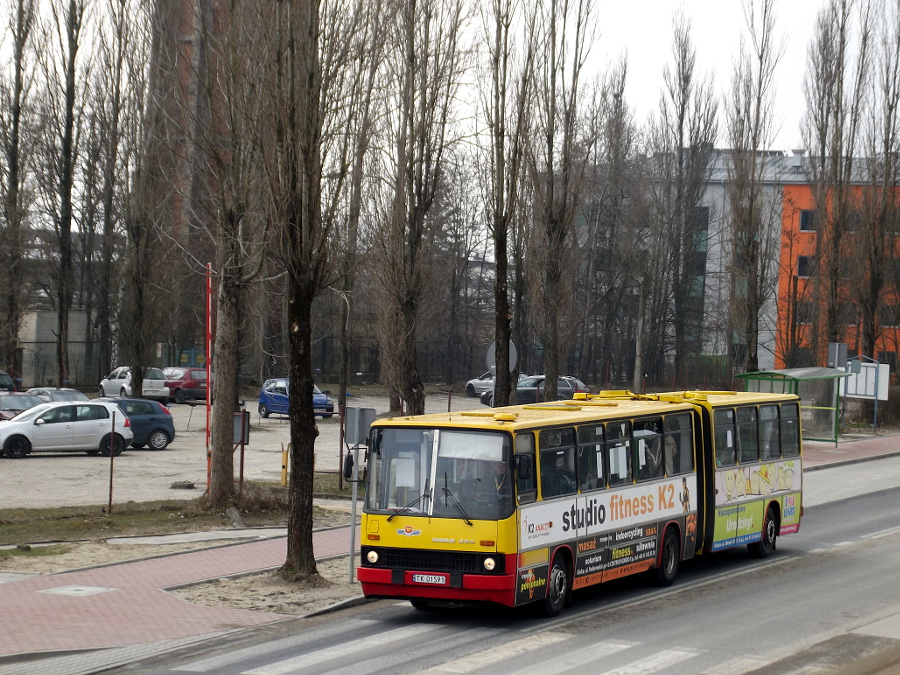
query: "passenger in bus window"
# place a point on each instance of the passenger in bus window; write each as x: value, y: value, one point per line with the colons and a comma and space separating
x: 671, y: 453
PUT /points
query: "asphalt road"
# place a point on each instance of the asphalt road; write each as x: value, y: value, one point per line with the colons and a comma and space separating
x: 825, y: 602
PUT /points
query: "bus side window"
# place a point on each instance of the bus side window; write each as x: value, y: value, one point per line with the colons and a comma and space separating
x: 790, y: 430
x: 618, y: 452
x: 526, y: 478
x: 591, y: 472
x: 648, y: 448
x: 748, y: 437
x: 677, y: 447
x: 769, y: 438
x: 725, y: 441
x: 557, y: 462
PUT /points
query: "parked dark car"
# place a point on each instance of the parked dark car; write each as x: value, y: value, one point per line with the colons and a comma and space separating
x: 151, y: 421
x: 6, y: 382
x: 531, y: 390
x: 13, y: 403
x: 185, y: 383
x: 54, y: 394
x: 273, y: 398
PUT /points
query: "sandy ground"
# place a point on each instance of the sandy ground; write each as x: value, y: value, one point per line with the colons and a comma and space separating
x: 266, y: 591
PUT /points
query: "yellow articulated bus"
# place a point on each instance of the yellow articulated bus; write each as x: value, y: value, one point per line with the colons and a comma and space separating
x: 527, y: 503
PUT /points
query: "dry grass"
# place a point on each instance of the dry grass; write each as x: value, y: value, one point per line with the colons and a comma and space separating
x: 260, y: 505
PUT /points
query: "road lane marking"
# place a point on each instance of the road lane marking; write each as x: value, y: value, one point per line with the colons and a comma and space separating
x: 655, y: 662
x: 307, y: 660
x: 502, y: 652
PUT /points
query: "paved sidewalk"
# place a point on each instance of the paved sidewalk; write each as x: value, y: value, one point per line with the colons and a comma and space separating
x: 849, y: 449
x: 126, y: 604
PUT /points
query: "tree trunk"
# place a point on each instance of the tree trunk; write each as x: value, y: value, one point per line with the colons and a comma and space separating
x: 300, y: 558
x: 225, y: 360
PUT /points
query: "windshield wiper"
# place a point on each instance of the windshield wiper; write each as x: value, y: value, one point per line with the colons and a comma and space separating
x: 455, y: 502
x: 415, y: 502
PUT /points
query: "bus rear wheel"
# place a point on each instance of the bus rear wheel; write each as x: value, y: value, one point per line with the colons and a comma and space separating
x: 766, y: 545
x: 669, y: 556
x: 557, y: 587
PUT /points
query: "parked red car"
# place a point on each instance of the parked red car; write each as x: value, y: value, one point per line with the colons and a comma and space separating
x: 185, y: 383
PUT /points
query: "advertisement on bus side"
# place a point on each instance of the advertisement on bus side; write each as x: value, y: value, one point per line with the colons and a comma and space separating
x: 748, y: 483
x: 580, y: 516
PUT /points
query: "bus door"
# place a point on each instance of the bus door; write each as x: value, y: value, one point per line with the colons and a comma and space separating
x: 728, y: 508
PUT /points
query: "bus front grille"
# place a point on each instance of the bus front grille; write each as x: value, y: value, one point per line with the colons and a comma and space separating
x: 434, y: 561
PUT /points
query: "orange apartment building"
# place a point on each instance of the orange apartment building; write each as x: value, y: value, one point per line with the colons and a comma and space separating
x: 791, y: 324
x: 798, y: 318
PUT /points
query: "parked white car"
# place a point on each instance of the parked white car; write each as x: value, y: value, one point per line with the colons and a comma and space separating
x: 87, y: 426
x: 118, y: 383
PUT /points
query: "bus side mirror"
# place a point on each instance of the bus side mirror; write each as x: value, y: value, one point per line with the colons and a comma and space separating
x: 348, y: 466
x: 523, y: 467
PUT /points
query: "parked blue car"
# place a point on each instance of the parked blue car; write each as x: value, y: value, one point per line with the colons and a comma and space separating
x: 151, y: 422
x: 273, y: 399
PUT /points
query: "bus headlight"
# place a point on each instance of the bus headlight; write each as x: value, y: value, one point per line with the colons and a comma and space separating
x: 372, y: 557
x: 490, y: 564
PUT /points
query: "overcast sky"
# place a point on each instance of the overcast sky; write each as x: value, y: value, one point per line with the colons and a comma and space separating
x: 643, y: 29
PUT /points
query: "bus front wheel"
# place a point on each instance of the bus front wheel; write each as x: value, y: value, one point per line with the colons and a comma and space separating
x: 557, y: 587
x: 766, y: 545
x: 669, y: 556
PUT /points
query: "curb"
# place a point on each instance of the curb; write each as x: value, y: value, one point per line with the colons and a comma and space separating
x: 851, y: 460
x: 343, y: 604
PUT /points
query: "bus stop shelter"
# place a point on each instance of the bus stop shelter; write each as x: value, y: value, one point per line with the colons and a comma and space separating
x: 819, y: 390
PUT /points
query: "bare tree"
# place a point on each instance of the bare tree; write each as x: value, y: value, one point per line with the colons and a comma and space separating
x: 681, y: 142
x: 64, y: 101
x: 505, y: 105
x: 226, y: 122
x: 13, y: 97
x: 307, y: 76
x: 367, y: 59
x: 557, y: 162
x: 120, y: 77
x: 755, y: 215
x: 838, y: 68
x: 426, y: 61
x: 876, y: 237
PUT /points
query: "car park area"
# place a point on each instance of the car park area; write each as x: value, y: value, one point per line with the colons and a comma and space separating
x: 179, y: 473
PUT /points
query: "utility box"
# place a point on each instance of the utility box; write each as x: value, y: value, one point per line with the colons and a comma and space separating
x: 837, y: 355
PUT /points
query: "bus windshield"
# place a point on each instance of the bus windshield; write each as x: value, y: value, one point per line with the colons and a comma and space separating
x: 442, y: 473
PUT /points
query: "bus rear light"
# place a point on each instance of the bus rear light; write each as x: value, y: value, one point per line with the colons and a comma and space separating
x: 487, y: 542
x: 372, y: 557
x: 373, y: 537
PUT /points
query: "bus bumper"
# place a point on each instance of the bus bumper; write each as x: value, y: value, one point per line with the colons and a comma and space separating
x: 380, y: 583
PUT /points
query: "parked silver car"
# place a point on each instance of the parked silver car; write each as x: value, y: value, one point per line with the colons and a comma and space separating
x: 118, y: 383
x: 478, y: 385
x: 53, y: 394
x: 94, y: 427
x: 531, y: 389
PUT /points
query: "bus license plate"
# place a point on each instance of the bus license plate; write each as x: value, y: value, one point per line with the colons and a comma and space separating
x: 434, y: 579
